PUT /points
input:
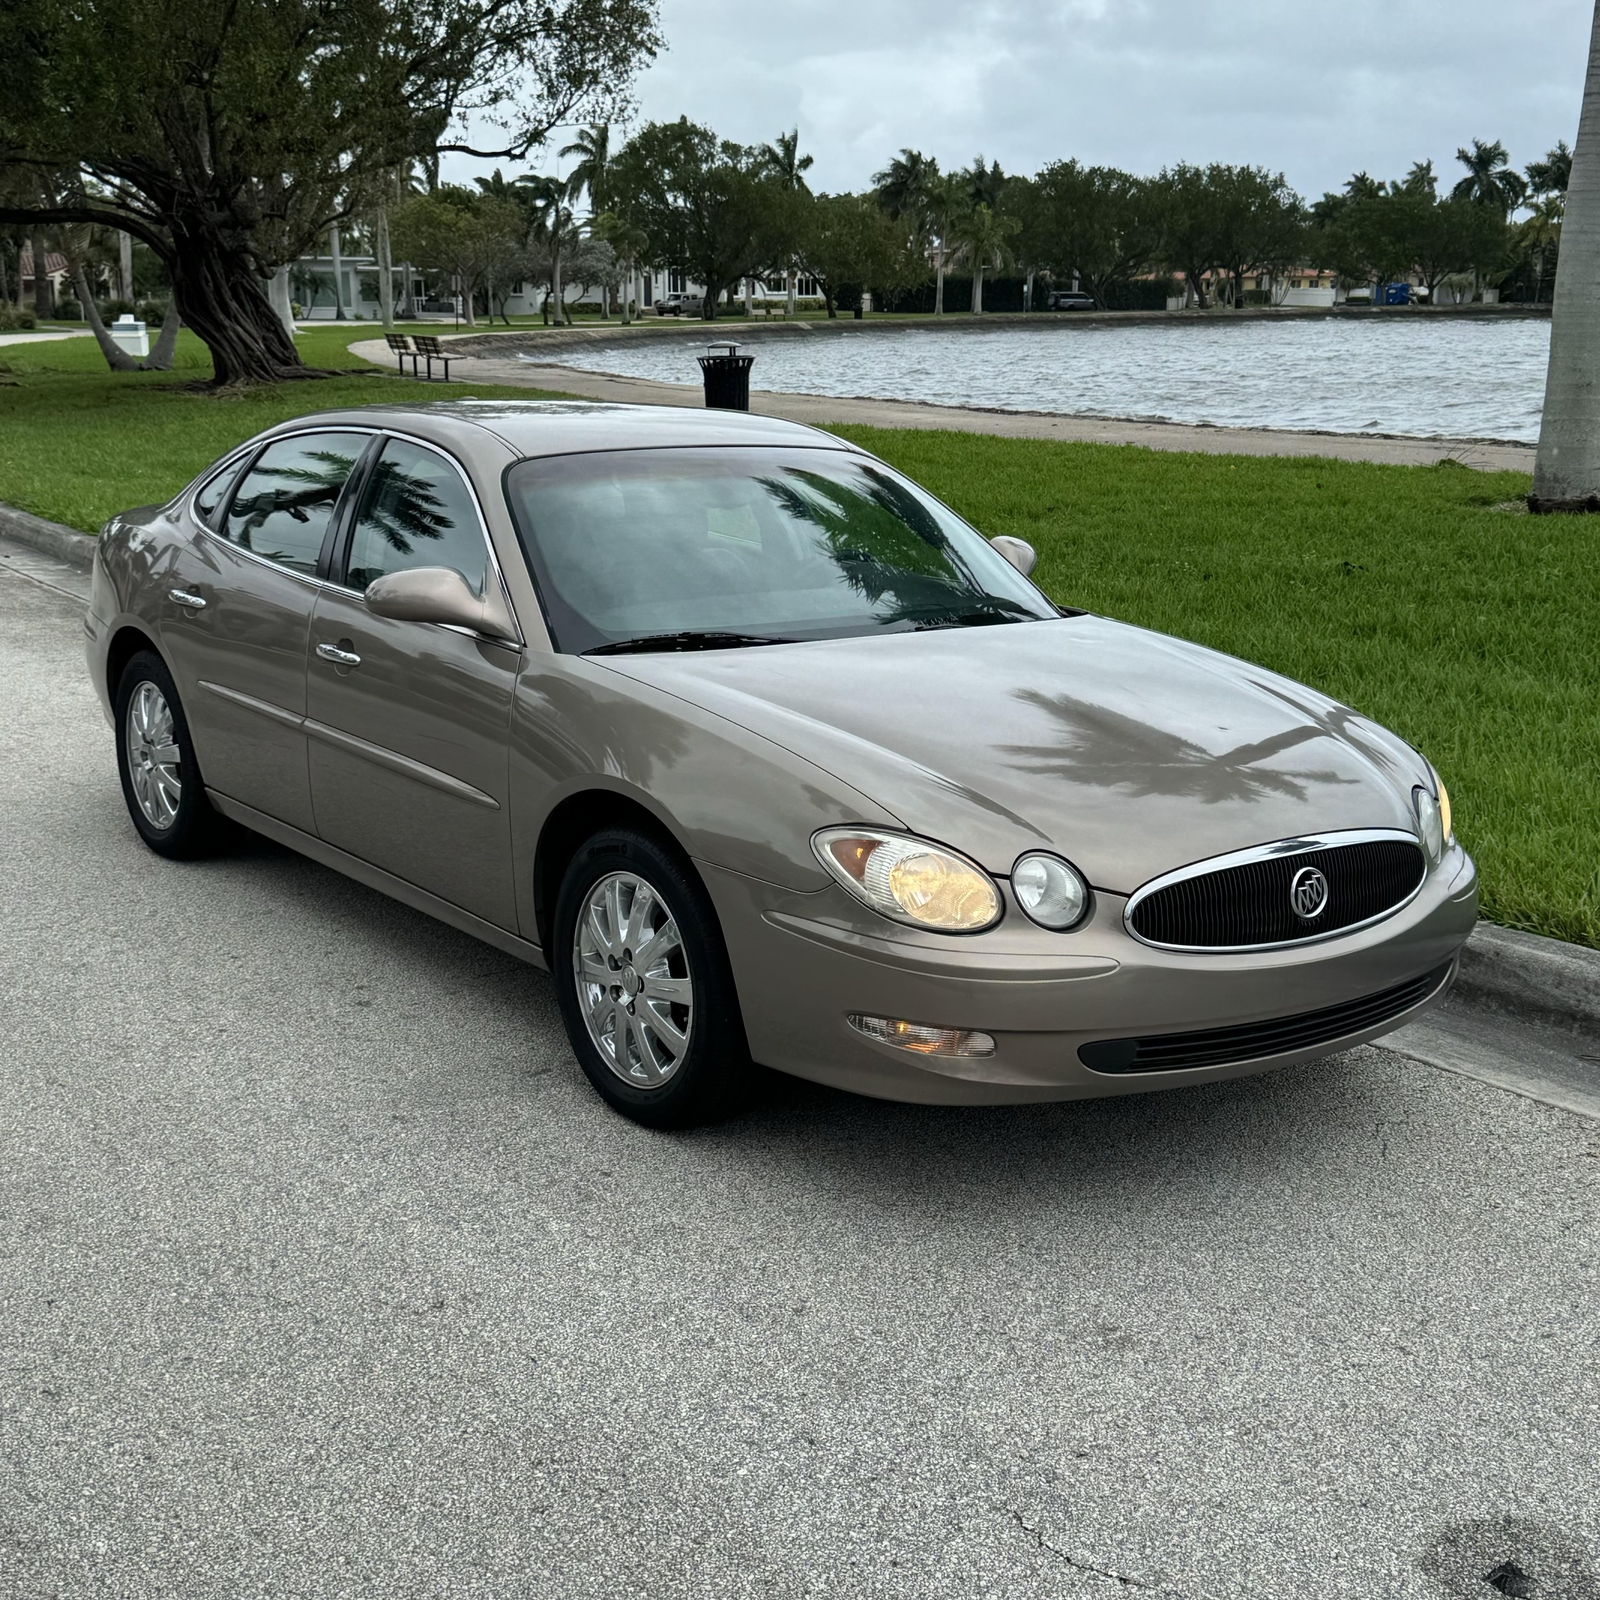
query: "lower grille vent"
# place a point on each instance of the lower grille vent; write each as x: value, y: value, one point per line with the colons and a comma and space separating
x: 1251, y: 1041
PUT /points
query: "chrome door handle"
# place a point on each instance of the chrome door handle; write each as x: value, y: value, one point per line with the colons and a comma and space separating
x: 182, y: 597
x: 345, y: 658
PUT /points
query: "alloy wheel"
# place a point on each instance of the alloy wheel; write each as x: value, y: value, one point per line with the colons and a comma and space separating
x: 633, y: 979
x: 154, y: 759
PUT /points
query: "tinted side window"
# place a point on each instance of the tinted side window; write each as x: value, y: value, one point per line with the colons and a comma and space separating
x: 209, y: 500
x: 415, y: 512
x: 286, y: 499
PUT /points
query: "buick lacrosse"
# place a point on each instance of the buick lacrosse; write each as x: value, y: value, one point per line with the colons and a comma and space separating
x: 765, y: 755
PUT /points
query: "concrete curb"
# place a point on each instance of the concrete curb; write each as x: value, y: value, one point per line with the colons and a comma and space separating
x: 1529, y: 977
x: 65, y: 544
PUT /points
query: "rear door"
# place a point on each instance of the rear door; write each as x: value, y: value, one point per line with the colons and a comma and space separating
x: 409, y: 722
x: 236, y: 614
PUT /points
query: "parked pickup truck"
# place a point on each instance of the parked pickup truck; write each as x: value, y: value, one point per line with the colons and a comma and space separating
x: 681, y: 305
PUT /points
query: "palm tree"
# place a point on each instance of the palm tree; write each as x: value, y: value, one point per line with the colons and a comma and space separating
x: 1553, y: 174
x: 903, y: 185
x: 593, y: 172
x: 1420, y: 180
x: 1566, y: 472
x: 552, y: 223
x: 945, y: 204
x: 982, y: 234
x: 1490, y: 179
x: 784, y: 162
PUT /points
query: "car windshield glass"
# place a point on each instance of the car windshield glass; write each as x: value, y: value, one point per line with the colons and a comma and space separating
x: 740, y: 545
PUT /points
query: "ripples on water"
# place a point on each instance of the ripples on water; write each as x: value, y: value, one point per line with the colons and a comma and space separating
x: 1472, y: 378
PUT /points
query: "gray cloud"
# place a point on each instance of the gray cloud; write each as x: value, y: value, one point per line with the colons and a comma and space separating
x: 1315, y: 90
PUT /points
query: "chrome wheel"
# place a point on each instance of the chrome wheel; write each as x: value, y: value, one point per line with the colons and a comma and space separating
x: 633, y: 980
x: 153, y: 756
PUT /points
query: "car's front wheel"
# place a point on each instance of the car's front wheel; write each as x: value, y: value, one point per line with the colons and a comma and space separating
x: 161, y: 780
x: 644, y: 983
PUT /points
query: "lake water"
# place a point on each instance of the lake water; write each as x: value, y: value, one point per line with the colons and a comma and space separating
x: 1478, y: 377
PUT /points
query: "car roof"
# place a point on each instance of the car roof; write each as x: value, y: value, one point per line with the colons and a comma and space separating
x: 567, y: 427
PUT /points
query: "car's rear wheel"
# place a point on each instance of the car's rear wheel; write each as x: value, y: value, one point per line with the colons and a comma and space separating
x: 644, y: 983
x: 161, y: 780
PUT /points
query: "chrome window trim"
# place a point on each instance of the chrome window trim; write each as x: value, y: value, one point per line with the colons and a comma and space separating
x: 1270, y: 852
x: 238, y: 549
x: 483, y: 533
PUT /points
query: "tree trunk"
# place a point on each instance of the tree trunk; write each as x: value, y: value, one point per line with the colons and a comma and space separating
x: 555, y: 285
x: 220, y: 297
x: 977, y: 288
x: 408, y: 301
x: 1027, y: 294
x: 749, y: 300
x: 627, y: 298
x: 117, y: 358
x: 1566, y: 472
x: 43, y: 300
x: 160, y: 358
x: 385, y: 268
x: 938, y: 285
x: 125, y: 266
x: 338, y: 273
x: 789, y: 288
x: 827, y: 300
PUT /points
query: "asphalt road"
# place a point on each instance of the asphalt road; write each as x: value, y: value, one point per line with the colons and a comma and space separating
x: 323, y: 1273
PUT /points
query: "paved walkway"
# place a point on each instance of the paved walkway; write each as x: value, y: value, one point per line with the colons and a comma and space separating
x: 31, y: 336
x: 821, y: 410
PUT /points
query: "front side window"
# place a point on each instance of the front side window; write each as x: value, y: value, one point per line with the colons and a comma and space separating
x: 766, y: 544
x: 286, y: 500
x: 416, y: 512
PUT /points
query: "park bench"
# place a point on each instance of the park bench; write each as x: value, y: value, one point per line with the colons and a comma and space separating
x: 401, y: 346
x: 429, y: 349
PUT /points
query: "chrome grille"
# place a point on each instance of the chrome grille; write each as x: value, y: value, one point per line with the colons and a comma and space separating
x: 1245, y: 901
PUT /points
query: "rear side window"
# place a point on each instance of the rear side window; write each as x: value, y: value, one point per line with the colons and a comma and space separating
x: 415, y: 511
x: 209, y: 500
x: 286, y: 500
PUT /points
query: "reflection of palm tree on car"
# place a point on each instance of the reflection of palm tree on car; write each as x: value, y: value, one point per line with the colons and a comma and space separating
x: 888, y: 547
x: 298, y: 491
x: 401, y: 508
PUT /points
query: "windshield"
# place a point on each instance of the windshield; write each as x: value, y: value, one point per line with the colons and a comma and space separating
x: 725, y: 546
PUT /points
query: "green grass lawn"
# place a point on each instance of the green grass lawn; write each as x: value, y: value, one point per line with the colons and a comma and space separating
x: 1401, y: 590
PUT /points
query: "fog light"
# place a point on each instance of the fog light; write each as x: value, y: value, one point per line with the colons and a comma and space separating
x: 921, y: 1039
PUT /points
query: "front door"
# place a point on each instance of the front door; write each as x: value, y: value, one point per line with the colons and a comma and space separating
x: 236, y: 614
x: 408, y: 722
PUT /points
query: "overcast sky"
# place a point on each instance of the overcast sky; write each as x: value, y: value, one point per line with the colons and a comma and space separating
x: 1314, y: 89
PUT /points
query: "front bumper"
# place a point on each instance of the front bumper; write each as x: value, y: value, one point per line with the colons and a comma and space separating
x: 802, y: 963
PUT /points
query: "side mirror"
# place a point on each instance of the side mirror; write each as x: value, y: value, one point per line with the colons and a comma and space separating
x: 1018, y: 552
x: 440, y: 595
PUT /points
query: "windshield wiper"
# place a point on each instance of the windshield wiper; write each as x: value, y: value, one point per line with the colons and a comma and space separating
x: 690, y: 640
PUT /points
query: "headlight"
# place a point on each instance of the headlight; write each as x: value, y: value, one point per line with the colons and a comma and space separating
x: 1430, y: 822
x: 1050, y: 891
x: 910, y: 880
x: 1446, y: 825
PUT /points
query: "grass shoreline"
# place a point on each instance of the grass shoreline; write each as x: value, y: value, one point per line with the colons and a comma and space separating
x: 1407, y: 592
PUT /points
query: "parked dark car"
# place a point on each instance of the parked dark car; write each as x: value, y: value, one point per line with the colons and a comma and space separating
x: 1071, y: 300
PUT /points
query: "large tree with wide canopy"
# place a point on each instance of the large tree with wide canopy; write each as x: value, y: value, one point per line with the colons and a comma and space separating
x: 229, y: 137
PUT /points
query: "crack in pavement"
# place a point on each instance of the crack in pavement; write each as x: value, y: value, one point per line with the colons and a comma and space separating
x: 1080, y: 1566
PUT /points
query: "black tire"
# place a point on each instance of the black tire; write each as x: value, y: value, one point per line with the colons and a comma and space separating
x: 710, y: 1076
x: 194, y: 829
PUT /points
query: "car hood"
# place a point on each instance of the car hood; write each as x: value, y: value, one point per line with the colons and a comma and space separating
x: 1128, y: 752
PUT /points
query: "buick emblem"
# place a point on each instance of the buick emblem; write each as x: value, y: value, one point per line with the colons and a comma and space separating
x: 1308, y: 893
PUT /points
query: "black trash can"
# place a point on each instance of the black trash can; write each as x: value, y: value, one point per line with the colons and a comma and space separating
x: 727, y: 378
